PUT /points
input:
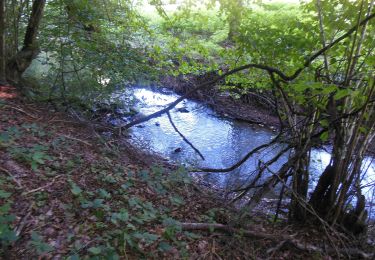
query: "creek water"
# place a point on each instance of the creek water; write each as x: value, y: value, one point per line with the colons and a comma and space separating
x: 222, y: 142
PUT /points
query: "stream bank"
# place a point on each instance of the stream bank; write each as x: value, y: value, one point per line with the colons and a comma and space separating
x: 250, y: 111
x: 73, y: 193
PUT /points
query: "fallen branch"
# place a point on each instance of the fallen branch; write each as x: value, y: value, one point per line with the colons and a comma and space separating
x: 76, y: 139
x: 22, y: 111
x: 280, y: 239
x: 183, y: 137
x: 43, y: 187
x: 23, y: 221
x: 12, y: 177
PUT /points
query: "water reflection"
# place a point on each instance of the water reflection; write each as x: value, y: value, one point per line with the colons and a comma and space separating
x: 222, y: 142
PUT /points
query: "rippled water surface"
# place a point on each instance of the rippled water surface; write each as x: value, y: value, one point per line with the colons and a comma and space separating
x: 222, y: 141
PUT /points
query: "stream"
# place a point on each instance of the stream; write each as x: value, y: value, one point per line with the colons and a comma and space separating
x: 222, y: 142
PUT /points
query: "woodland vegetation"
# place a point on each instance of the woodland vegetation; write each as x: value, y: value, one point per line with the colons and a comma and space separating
x: 311, y: 63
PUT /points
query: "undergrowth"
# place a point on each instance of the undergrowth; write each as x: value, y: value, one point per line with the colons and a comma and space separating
x: 84, y: 201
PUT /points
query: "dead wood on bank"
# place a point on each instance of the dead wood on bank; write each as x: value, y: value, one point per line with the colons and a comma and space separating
x: 282, y: 240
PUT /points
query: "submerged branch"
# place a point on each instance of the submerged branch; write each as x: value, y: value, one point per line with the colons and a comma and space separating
x: 183, y: 137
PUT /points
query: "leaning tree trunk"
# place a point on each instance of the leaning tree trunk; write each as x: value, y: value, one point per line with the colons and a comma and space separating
x: 352, y: 136
x: 2, y: 43
x: 22, y: 60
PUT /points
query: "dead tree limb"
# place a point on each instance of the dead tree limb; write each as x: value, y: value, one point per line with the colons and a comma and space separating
x: 183, y: 137
x: 286, y: 239
x: 244, y: 159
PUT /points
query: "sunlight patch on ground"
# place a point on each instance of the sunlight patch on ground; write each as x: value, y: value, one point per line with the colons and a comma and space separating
x: 7, y: 92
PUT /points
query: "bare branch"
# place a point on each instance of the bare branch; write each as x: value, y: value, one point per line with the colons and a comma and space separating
x: 269, y: 69
x: 240, y: 162
x: 183, y: 137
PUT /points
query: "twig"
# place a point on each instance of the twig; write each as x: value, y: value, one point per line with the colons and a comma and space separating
x: 22, y: 222
x: 312, y: 211
x: 183, y: 137
x: 43, y: 187
x: 76, y: 139
x: 12, y: 177
x: 279, y: 202
x: 22, y: 111
x: 277, y: 247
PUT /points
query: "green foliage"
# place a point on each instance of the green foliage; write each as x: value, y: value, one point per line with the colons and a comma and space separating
x: 39, y: 245
x: 7, y: 235
x: 35, y: 155
x: 85, y: 59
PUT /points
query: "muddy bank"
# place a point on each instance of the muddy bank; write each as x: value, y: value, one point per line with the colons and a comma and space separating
x: 224, y: 104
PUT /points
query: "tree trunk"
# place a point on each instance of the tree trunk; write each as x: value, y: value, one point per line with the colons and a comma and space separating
x: 22, y: 60
x: 342, y: 176
x: 297, y: 211
x: 234, y: 18
x: 2, y: 43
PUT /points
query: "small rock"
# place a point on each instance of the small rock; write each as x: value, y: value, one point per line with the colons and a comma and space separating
x: 140, y: 126
x: 157, y: 124
x: 178, y: 150
x: 183, y: 110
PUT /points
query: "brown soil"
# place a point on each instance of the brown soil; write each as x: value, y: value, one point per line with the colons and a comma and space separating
x: 43, y: 200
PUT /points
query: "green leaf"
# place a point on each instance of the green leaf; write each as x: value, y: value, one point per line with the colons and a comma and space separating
x: 363, y: 130
x: 97, y: 203
x: 324, y: 123
x: 324, y: 136
x: 341, y: 94
x: 40, y: 246
x: 76, y: 190
x: 104, y: 194
x: 38, y: 157
x: 4, y: 194
x: 329, y: 89
x: 94, y: 250
x: 73, y: 257
x: 147, y: 237
x: 164, y: 246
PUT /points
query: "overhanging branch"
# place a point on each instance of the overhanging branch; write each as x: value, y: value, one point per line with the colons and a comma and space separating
x: 269, y: 69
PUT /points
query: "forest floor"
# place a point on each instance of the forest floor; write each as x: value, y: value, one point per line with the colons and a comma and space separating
x: 69, y: 192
